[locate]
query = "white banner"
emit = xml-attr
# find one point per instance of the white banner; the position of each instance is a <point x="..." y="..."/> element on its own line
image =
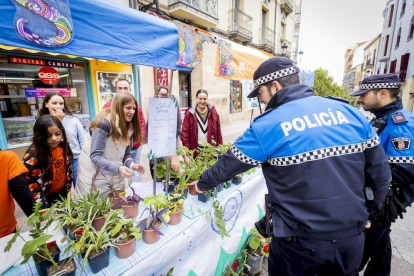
<point x="162" y="127"/>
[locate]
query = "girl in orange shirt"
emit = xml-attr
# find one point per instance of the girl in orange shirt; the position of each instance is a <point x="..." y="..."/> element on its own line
<point x="49" y="161"/>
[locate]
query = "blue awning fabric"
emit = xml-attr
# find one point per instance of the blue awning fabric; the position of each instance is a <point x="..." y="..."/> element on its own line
<point x="98" y="29"/>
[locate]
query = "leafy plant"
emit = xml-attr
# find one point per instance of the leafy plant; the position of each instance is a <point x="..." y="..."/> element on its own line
<point x="98" y="205"/>
<point x="132" y="199"/>
<point x="242" y="264"/>
<point x="123" y="229"/>
<point x="258" y="244"/>
<point x="218" y="213"/>
<point x="37" y="246"/>
<point x="162" y="170"/>
<point x="252" y="170"/>
<point x="153" y="217"/>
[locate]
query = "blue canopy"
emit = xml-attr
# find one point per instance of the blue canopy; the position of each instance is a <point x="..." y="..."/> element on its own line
<point x="99" y="29"/>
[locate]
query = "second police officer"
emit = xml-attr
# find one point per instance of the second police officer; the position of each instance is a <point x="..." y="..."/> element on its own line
<point x="395" y="127"/>
<point x="316" y="154"/>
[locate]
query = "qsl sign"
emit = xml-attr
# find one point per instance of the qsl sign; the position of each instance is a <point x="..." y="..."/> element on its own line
<point x="49" y="75"/>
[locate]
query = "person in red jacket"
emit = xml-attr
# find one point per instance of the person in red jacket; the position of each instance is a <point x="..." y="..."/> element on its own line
<point x="201" y="123"/>
<point x="123" y="85"/>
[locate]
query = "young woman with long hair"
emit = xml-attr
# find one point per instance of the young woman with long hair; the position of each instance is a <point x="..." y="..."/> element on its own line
<point x="55" y="105"/>
<point x="108" y="146"/>
<point x="201" y="123"/>
<point x="49" y="161"/>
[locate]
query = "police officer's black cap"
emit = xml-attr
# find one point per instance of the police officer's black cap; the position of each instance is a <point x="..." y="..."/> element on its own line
<point x="272" y="69"/>
<point x="380" y="81"/>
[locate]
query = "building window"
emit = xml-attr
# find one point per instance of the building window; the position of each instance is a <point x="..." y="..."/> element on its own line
<point x="403" y="8"/>
<point x="386" y="45"/>
<point x="385" y="68"/>
<point x="403" y="66"/>
<point x="391" y="14"/>
<point x="397" y="43"/>
<point x="410" y="34"/>
<point x="393" y="66"/>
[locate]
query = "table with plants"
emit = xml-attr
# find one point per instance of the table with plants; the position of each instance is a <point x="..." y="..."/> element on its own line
<point x="134" y="232"/>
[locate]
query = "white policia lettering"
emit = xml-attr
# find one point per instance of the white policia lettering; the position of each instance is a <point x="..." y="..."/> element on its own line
<point x="321" y="119"/>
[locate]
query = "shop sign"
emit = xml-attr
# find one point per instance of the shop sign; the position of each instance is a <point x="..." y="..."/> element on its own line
<point x="162" y="77"/>
<point x="42" y="62"/>
<point x="49" y="75"/>
<point x="41" y="92"/>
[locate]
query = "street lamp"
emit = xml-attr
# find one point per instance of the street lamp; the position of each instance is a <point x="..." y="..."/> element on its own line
<point x="301" y="55"/>
<point x="284" y="48"/>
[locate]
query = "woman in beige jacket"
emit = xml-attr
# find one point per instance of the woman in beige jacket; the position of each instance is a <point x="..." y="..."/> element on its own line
<point x="108" y="145"/>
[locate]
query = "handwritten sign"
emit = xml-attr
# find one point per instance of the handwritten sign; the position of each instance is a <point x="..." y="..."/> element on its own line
<point x="162" y="127"/>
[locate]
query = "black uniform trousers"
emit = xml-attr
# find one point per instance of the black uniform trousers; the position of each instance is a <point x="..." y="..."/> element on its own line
<point x="377" y="250"/>
<point x="310" y="257"/>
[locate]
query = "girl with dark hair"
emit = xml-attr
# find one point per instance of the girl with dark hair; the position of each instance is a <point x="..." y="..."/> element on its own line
<point x="201" y="123"/>
<point x="108" y="147"/>
<point x="55" y="105"/>
<point x="49" y="161"/>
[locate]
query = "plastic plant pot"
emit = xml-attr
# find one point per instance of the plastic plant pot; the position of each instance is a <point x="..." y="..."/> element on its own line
<point x="98" y="222"/>
<point x="124" y="250"/>
<point x="67" y="269"/>
<point x="42" y="264"/>
<point x="192" y="189"/>
<point x="116" y="200"/>
<point x="175" y="218"/>
<point x="255" y="263"/>
<point x="220" y="187"/>
<point x="68" y="231"/>
<point x="99" y="261"/>
<point x="227" y="185"/>
<point x="130" y="210"/>
<point x="150" y="236"/>
<point x="237" y="180"/>
<point x="204" y="197"/>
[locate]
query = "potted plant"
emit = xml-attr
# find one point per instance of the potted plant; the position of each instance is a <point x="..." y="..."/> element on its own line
<point x="67" y="266"/>
<point x="97" y="244"/>
<point x="70" y="215"/>
<point x="150" y="226"/>
<point x="258" y="247"/>
<point x="176" y="208"/>
<point x="204" y="196"/>
<point x="97" y="206"/>
<point x="125" y="236"/>
<point x="113" y="194"/>
<point x="130" y="204"/>
<point x="44" y="254"/>
<point x="237" y="180"/>
<point x="239" y="265"/>
<point x="192" y="170"/>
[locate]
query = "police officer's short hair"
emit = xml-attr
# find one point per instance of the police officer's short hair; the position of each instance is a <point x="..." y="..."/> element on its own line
<point x="394" y="92"/>
<point x="286" y="80"/>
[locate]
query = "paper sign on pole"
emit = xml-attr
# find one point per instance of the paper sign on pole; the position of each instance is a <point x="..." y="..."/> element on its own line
<point x="252" y="103"/>
<point x="162" y="127"/>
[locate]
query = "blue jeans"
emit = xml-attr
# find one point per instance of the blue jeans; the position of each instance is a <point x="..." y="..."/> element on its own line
<point x="136" y="156"/>
<point x="75" y="171"/>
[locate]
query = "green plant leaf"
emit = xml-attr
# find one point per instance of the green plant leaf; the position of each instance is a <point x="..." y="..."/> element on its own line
<point x="254" y="243"/>
<point x="208" y="218"/>
<point x="116" y="229"/>
<point x="32" y="246"/>
<point x="10" y="242"/>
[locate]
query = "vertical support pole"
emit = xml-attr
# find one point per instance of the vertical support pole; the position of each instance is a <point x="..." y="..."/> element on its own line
<point x="167" y="174"/>
<point x="155" y="178"/>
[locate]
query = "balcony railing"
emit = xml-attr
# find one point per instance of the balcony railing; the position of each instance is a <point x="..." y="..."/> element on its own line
<point x="240" y="22"/>
<point x="208" y="7"/>
<point x="283" y="42"/>
<point x="287" y="6"/>
<point x="267" y="36"/>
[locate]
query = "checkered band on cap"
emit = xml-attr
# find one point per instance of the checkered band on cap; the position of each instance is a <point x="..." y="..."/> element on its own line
<point x="401" y="159"/>
<point x="274" y="75"/>
<point x="323" y="153"/>
<point x="379" y="85"/>
<point x="242" y="157"/>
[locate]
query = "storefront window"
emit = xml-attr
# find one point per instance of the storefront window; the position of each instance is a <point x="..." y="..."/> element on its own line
<point x="23" y="84"/>
<point x="235" y="97"/>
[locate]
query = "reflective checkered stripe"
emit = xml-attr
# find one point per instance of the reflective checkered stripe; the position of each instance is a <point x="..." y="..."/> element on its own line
<point x="380" y="85"/>
<point x="274" y="75"/>
<point x="401" y="159"/>
<point x="242" y="157"/>
<point x="323" y="153"/>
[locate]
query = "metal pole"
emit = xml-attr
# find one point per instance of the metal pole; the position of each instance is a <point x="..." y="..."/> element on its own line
<point x="167" y="175"/>
<point x="155" y="178"/>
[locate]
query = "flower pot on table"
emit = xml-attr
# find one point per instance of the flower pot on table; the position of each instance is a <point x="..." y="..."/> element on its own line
<point x="65" y="268"/>
<point x="42" y="264"/>
<point x="98" y="260"/>
<point x="130" y="210"/>
<point x="124" y="250"/>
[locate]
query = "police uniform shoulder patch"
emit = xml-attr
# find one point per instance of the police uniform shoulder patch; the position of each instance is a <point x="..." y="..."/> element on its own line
<point x="261" y="115"/>
<point x="401" y="143"/>
<point x="399" y="118"/>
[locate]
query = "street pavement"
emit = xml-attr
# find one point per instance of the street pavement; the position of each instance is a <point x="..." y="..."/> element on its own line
<point x="402" y="234"/>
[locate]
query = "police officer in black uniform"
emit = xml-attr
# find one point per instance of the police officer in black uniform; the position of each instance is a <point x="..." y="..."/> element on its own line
<point x="316" y="154"/>
<point x="395" y="127"/>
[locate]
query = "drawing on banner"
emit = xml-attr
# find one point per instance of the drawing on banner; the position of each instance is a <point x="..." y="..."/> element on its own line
<point x="106" y="85"/>
<point x="226" y="59"/>
<point x="162" y="127"/>
<point x="231" y="212"/>
<point x="190" y="47"/>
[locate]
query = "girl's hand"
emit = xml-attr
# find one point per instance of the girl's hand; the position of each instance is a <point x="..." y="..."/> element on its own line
<point x="186" y="160"/>
<point x="59" y="114"/>
<point x="138" y="168"/>
<point x="175" y="164"/>
<point x="125" y="172"/>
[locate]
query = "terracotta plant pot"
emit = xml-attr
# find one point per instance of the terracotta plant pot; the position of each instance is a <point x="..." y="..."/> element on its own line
<point x="192" y="189"/>
<point x="124" y="250"/>
<point x="130" y="210"/>
<point x="98" y="222"/>
<point x="150" y="236"/>
<point x="116" y="200"/>
<point x="175" y="218"/>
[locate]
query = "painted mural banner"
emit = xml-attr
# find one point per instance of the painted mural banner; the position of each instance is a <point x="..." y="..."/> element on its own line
<point x="237" y="62"/>
<point x="162" y="127"/>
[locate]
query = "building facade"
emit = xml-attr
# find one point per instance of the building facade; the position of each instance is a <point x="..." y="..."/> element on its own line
<point x="370" y="57"/>
<point x="354" y="58"/>
<point x="396" y="45"/>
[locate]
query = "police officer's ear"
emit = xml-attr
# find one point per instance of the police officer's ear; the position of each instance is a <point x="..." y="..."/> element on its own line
<point x="277" y="85"/>
<point x="383" y="94"/>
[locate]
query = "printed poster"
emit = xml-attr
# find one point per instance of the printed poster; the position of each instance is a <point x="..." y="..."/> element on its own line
<point x="162" y="127"/>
